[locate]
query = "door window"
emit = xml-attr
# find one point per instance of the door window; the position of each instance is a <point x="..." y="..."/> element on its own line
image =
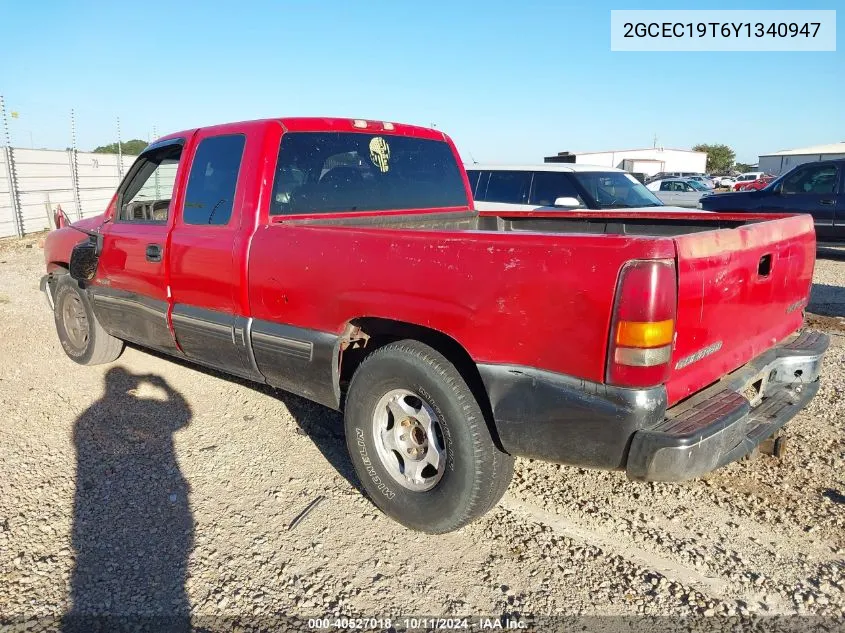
<point x="548" y="186"/>
<point x="145" y="197"/>
<point x="508" y="186"/>
<point x="210" y="194"/>
<point x="818" y="179"/>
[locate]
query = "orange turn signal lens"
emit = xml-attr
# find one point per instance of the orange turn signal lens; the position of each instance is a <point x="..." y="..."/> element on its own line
<point x="645" y="333"/>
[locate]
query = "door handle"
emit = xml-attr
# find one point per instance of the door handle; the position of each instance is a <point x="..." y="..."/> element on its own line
<point x="827" y="201"/>
<point x="153" y="252"/>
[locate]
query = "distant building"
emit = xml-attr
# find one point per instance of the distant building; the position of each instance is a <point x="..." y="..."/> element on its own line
<point x="647" y="161"/>
<point x="783" y="161"/>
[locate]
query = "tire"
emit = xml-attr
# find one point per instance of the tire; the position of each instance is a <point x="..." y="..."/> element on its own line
<point x="81" y="335"/>
<point x="445" y="425"/>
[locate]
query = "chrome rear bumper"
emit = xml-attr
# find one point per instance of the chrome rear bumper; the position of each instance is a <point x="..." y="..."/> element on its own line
<point x="729" y="419"/>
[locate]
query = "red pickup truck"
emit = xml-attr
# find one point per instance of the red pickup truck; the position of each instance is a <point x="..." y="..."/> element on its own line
<point x="342" y="260"/>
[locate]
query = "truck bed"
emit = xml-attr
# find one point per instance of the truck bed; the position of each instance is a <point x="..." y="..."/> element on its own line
<point x="742" y="281"/>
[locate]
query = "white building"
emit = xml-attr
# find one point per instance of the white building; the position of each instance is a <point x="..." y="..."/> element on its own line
<point x="647" y="161"/>
<point x="783" y="161"/>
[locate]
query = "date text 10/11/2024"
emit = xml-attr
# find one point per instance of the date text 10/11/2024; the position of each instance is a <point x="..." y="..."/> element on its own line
<point x="417" y="623"/>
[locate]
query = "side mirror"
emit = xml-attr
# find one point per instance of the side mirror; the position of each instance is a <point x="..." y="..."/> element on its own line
<point x="567" y="201"/>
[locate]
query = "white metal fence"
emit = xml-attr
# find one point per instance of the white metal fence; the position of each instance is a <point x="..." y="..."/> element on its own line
<point x="33" y="182"/>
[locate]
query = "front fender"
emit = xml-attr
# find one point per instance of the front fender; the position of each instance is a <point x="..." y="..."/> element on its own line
<point x="60" y="242"/>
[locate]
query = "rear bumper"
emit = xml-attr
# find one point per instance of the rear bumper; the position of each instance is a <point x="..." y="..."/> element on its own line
<point x="720" y="424"/>
<point x="557" y="418"/>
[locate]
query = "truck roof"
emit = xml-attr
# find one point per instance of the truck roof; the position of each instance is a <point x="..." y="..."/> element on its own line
<point x="324" y="124"/>
<point x="568" y="167"/>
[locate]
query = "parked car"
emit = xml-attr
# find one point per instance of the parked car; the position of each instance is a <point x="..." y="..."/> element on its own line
<point x="723" y="182"/>
<point x="761" y="182"/>
<point x="681" y="192"/>
<point x="343" y="260"/>
<point x="746" y="178"/>
<point x="815" y="188"/>
<point x="565" y="186"/>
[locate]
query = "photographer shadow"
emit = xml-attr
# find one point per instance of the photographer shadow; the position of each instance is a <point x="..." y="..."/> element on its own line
<point x="133" y="529"/>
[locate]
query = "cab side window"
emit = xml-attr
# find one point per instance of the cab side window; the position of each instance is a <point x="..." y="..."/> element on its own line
<point x="508" y="186"/>
<point x="548" y="186"/>
<point x="145" y="195"/>
<point x="210" y="194"/>
<point x="818" y="179"/>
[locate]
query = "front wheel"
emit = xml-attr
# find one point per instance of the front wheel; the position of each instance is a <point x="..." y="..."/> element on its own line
<point x="81" y="335"/>
<point x="419" y="441"/>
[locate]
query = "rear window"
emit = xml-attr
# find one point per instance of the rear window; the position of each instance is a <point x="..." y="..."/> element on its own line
<point x="324" y="172"/>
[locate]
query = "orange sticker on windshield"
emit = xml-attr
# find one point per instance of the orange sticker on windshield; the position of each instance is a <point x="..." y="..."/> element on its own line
<point x="380" y="153"/>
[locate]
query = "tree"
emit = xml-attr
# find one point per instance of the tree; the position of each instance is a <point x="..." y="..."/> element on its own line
<point x="134" y="147"/>
<point x="742" y="167"/>
<point x="720" y="158"/>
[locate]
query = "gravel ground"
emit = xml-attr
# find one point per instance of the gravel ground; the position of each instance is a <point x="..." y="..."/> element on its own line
<point x="152" y="487"/>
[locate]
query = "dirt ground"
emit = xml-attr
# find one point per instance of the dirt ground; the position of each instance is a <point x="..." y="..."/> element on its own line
<point x="152" y="487"/>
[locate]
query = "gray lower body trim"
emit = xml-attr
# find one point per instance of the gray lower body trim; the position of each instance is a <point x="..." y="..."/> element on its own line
<point x="214" y="338"/>
<point x="132" y="317"/>
<point x="298" y="360"/>
<point x="553" y="417"/>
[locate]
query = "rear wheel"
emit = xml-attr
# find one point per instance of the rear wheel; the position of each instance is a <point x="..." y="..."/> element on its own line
<point x="81" y="335"/>
<point x="419" y="441"/>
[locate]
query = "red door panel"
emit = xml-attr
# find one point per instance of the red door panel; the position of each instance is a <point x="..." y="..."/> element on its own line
<point x="130" y="291"/>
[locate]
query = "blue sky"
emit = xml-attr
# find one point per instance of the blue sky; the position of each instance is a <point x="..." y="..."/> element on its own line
<point x="509" y="81"/>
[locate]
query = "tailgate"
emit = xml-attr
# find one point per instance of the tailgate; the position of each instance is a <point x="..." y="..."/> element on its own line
<point x="740" y="291"/>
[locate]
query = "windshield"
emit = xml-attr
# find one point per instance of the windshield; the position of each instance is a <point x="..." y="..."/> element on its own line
<point x="615" y="190"/>
<point x="697" y="185"/>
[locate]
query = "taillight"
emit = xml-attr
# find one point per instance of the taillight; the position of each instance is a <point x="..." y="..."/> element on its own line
<point x="643" y="327"/>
